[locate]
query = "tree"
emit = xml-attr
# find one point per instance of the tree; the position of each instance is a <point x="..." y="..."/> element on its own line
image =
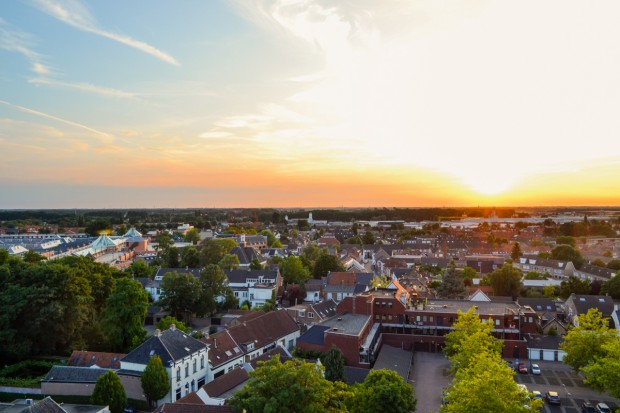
<point x="369" y="238"/>
<point x="294" y="386"/>
<point x="98" y="227"/>
<point x="566" y="240"/>
<point x="567" y="253"/>
<point x="574" y="285"/>
<point x="229" y="262"/>
<point x="109" y="391"/>
<point x="382" y="391"/>
<point x="599" y="263"/>
<point x="604" y="373"/>
<point x="466" y="324"/>
<point x="140" y="269"/>
<point x="255" y="264"/>
<point x="32" y="257"/>
<point x="487" y="385"/>
<point x="190" y="257"/>
<point x="452" y="284"/>
<point x="333" y="361"/>
<point x="481" y="341"/>
<point x="468" y="275"/>
<point x="167" y="321"/>
<point x="171" y="257"/>
<point x="612" y="287"/>
<point x="180" y="293"/>
<point x="155" y="381"/>
<point x="516" y="251"/>
<point x="325" y="263"/>
<point x="533" y="275"/>
<point x="213" y="250"/>
<point x="614" y="265"/>
<point x="549" y="291"/>
<point x="584" y="343"/>
<point x="506" y="281"/>
<point x="214" y="284"/>
<point x="192" y="236"/>
<point x="270" y="237"/>
<point x="124" y="314"/>
<point x="293" y="271"/>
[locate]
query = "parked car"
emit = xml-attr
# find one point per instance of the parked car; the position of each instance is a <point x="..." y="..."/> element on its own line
<point x="553" y="397"/>
<point x="522" y="368"/>
<point x="128" y="409"/>
<point x="535" y="369"/>
<point x="536" y="395"/>
<point x="602" y="408"/>
<point x="587" y="407"/>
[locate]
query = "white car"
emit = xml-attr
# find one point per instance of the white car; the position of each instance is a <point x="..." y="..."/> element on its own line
<point x="535" y="369"/>
<point x="603" y="408"/>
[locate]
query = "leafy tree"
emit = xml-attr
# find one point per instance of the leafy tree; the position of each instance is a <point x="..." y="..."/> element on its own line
<point x="171" y="258"/>
<point x="155" y="381"/>
<point x="166" y="322"/>
<point x="164" y="242"/>
<point x="506" y="281"/>
<point x="124" y="314"/>
<point x="229" y="262"/>
<point x="533" y="275"/>
<point x="567" y="253"/>
<point x="140" y="269"/>
<point x="293" y="271"/>
<point x="487" y="385"/>
<point x="256" y="265"/>
<point x="382" y="391"/>
<point x="584" y="343"/>
<point x="381" y="281"/>
<point x="604" y="373"/>
<point x="467" y="324"/>
<point x="574" y="285"/>
<point x="33" y="257"/>
<point x="180" y="293"/>
<point x="369" y="238"/>
<point x="452" y="284"/>
<point x="213" y="250"/>
<point x="566" y="240"/>
<point x="481" y="341"/>
<point x="325" y="263"/>
<point x="230" y="301"/>
<point x="468" y="275"/>
<point x="295" y="386"/>
<point x="549" y="291"/>
<point x="295" y="294"/>
<point x="214" y="284"/>
<point x="192" y="236"/>
<point x="276" y="244"/>
<point x="333" y="361"/>
<point x="599" y="263"/>
<point x="612" y="287"/>
<point x="270" y="237"/>
<point x="614" y="265"/>
<point x="98" y="227"/>
<point x="109" y="391"/>
<point x="516" y="251"/>
<point x="190" y="257"/>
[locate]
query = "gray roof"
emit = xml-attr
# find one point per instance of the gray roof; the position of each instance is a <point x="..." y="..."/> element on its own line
<point x="347" y="323"/>
<point x="171" y="345"/>
<point x="240" y="276"/>
<point x="46" y="405"/>
<point x="395" y="359"/>
<point x="325" y="309"/>
<point x="594" y="270"/>
<point x="69" y="374"/>
<point x="353" y="375"/>
<point x="583" y="303"/>
<point x="544" y="342"/>
<point x="538" y="304"/>
<point x="314" y="335"/>
<point x="163" y="271"/>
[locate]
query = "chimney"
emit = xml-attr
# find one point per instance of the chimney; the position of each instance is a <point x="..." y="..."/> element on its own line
<point x="173" y="327"/>
<point x="157" y="332"/>
<point x="215" y="342"/>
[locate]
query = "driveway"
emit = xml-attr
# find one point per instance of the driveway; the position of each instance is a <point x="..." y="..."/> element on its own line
<point x="430" y="376"/>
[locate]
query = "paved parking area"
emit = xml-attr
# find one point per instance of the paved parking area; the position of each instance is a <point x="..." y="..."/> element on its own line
<point x="556" y="376"/>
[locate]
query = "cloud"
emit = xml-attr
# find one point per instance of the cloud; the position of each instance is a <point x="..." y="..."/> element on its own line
<point x="17" y="41"/>
<point x="84" y="87"/>
<point x="76" y="15"/>
<point x="108" y="137"/>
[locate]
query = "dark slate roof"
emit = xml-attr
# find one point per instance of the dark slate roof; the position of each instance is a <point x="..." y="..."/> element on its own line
<point x="314" y="335"/>
<point x="538" y="304"/>
<point x="170" y="345"/>
<point x="240" y="276"/>
<point x="245" y="254"/>
<point x="544" y="342"/>
<point x="364" y="278"/>
<point x="353" y="375"/>
<point x="284" y="356"/>
<point x="69" y="374"/>
<point x="325" y="309"/>
<point x="46" y="405"/>
<point x="583" y="303"/>
<point x="543" y="262"/>
<point x="594" y="270"/>
<point x="226" y="382"/>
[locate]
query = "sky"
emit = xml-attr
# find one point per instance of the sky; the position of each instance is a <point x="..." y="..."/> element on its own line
<point x="309" y="103"/>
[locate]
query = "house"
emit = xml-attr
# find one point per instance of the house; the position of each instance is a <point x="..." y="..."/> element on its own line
<point x="250" y="339"/>
<point x="545" y="348"/>
<point x="48" y="405"/>
<point x="219" y="390"/>
<point x="153" y="287"/>
<point x="254" y="286"/>
<point x="80" y="358"/>
<point x="555" y="268"/>
<point x="484" y="264"/>
<point x="577" y="305"/>
<point x="593" y="272"/>
<point x="339" y="285"/>
<point x="310" y="314"/>
<point x="246" y="255"/>
<point x="184" y="358"/>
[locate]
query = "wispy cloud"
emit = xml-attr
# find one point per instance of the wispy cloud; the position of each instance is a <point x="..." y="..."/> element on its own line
<point x="77" y="15"/>
<point x="108" y="137"/>
<point x="14" y="40"/>
<point x="84" y="87"/>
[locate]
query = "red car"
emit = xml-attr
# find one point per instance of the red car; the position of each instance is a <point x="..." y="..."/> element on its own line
<point x="522" y="368"/>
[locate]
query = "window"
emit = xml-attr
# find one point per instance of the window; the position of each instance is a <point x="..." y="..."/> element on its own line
<point x="195" y="365"/>
<point x="178" y="393"/>
<point x="178" y="373"/>
<point x="310" y="315"/>
<point x="186" y="369"/>
<point x="497" y="321"/>
<point x="202" y="362"/>
<point x="301" y="313"/>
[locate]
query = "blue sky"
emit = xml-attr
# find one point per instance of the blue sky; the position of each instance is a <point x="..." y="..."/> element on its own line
<point x="311" y="103"/>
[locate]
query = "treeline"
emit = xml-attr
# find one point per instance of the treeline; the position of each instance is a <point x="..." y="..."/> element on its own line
<point x="55" y="307"/>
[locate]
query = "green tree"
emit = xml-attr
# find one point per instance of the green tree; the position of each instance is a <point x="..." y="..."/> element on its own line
<point x="604" y="373"/>
<point x="533" y="275"/>
<point x="294" y="386"/>
<point x="270" y="237"/>
<point x="566" y="240"/>
<point x="584" y="343"/>
<point x="369" y="238"/>
<point x="109" y="391"/>
<point x="612" y="287"/>
<point x="171" y="258"/>
<point x="213" y="250"/>
<point x="549" y="291"/>
<point x="180" y="294"/>
<point x="333" y="361"/>
<point x="165" y="323"/>
<point x="33" y="257"/>
<point x="124" y="314"/>
<point x="155" y="381"/>
<point x="325" y="263"/>
<point x="140" y="269"/>
<point x="487" y="385"/>
<point x="567" y="253"/>
<point x="190" y="257"/>
<point x="574" y="285"/>
<point x="452" y="283"/>
<point x="516" y="251"/>
<point x="599" y="263"/>
<point x="614" y="265"/>
<point x="192" y="236"/>
<point x="256" y="265"/>
<point x="466" y="324"/>
<point x="214" y="284"/>
<point x="481" y="341"/>
<point x="382" y="391"/>
<point x="468" y="275"/>
<point x="229" y="262"/>
<point x="506" y="281"/>
<point x="293" y="271"/>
